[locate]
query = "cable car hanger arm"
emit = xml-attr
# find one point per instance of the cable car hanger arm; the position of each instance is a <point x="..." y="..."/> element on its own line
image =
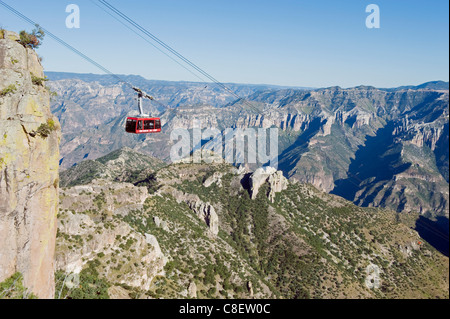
<point x="143" y="94"/>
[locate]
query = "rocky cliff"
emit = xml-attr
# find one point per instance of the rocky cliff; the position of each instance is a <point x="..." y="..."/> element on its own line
<point x="29" y="178"/>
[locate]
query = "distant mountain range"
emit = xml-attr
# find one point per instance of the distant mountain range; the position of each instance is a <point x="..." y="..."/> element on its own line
<point x="375" y="147"/>
<point x="433" y="85"/>
<point x="176" y="93"/>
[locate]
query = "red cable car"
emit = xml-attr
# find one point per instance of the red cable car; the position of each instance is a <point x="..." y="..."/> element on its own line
<point x="142" y="124"/>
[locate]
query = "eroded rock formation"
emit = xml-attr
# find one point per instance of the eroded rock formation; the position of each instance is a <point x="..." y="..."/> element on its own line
<point x="277" y="182"/>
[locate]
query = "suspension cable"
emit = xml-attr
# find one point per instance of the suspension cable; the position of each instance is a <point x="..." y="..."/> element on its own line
<point x="147" y="40"/>
<point x="173" y="51"/>
<point x="71" y="48"/>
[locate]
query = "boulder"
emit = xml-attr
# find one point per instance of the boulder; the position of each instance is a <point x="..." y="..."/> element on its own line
<point x="192" y="290"/>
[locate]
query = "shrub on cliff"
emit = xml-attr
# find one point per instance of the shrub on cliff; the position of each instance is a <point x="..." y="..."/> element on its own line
<point x="10" y="89"/>
<point x="32" y="40"/>
<point x="37" y="80"/>
<point x="13" y="288"/>
<point x="46" y="129"/>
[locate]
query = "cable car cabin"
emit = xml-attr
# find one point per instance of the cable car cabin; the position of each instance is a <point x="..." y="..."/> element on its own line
<point x="138" y="125"/>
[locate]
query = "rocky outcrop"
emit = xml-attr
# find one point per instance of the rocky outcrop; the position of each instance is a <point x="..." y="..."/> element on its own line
<point x="428" y="136"/>
<point x="206" y="212"/>
<point x="192" y="290"/>
<point x="112" y="198"/>
<point x="29" y="178"/>
<point x="216" y="178"/>
<point x="115" y="242"/>
<point x="250" y="289"/>
<point x="277" y="182"/>
<point x="160" y="223"/>
<point x="419" y="133"/>
<point x="90" y="228"/>
<point x="118" y="166"/>
<point x="408" y="248"/>
<point x="258" y="178"/>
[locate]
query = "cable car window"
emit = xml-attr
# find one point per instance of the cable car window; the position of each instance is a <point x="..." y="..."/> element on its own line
<point x="149" y="125"/>
<point x="139" y="126"/>
<point x="158" y="124"/>
<point x="131" y="125"/>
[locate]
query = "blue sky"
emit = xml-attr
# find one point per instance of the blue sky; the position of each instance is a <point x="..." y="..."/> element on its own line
<point x="316" y="43"/>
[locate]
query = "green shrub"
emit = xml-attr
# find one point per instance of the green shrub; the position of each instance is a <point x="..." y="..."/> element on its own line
<point x="12" y="288"/>
<point x="10" y="89"/>
<point x="45" y="129"/>
<point x="91" y="286"/>
<point x="32" y="40"/>
<point x="37" y="80"/>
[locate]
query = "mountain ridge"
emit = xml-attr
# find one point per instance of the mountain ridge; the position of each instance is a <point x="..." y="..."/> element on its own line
<point x="119" y="166"/>
<point x="91" y="77"/>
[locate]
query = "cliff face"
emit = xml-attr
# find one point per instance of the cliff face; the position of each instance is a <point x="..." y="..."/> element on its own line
<point x="29" y="178"/>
